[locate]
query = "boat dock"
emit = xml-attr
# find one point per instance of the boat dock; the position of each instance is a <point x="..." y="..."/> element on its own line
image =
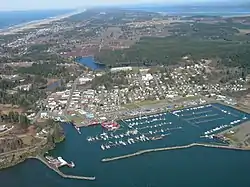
<point x="77" y="128"/>
<point x="210" y="120"/>
<point x="197" y="113"/>
<point x="59" y="172"/>
<point x="200" y="117"/>
<point x="218" y="108"/>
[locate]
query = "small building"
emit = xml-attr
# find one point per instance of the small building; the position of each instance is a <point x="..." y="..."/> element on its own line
<point x="121" y="69"/>
<point x="3" y="128"/>
<point x="44" y="115"/>
<point x="248" y="78"/>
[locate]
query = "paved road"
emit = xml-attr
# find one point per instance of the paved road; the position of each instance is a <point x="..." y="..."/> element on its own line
<point x="44" y="102"/>
<point x="158" y="85"/>
<point x="5" y="132"/>
<point x="71" y="93"/>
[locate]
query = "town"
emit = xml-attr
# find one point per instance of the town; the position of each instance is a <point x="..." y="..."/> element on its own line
<point x="134" y="90"/>
<point x="98" y="67"/>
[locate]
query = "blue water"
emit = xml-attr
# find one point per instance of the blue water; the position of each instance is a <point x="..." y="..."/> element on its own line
<point x="194" y="167"/>
<point x="90" y="62"/>
<point x="196" y="10"/>
<point x="12" y="18"/>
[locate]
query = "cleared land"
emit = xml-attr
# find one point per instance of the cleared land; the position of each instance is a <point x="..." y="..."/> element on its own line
<point x="239" y="135"/>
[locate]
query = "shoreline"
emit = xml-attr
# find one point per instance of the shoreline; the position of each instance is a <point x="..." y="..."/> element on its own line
<point x="161" y="110"/>
<point x="35" y="23"/>
<point x="141" y="152"/>
<point x="61" y="173"/>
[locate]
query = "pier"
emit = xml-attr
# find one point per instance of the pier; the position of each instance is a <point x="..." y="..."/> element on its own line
<point x="205" y="121"/>
<point x="200" y="117"/>
<point x="197" y="113"/>
<point x="173" y="148"/>
<point x="61" y="173"/>
<point x="218" y="108"/>
<point x="197" y="126"/>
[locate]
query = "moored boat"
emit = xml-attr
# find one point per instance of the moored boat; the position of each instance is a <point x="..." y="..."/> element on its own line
<point x="110" y="125"/>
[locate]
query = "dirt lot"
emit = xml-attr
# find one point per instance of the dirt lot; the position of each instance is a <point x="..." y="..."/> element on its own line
<point x="5" y="109"/>
<point x="244" y="31"/>
<point x="239" y="135"/>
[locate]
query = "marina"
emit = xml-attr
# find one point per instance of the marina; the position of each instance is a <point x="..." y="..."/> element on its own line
<point x="101" y="153"/>
<point x="147" y="140"/>
<point x="127" y="94"/>
<point x="203" y="121"/>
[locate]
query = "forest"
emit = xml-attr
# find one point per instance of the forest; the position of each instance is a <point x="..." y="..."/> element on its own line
<point x="197" y="40"/>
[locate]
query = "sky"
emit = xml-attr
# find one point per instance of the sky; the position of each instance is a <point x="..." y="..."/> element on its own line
<point x="9" y="5"/>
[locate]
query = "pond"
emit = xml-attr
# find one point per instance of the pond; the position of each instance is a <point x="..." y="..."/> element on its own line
<point x="90" y="62"/>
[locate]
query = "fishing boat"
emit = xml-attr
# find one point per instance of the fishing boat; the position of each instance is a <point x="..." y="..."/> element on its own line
<point x="157" y="138"/>
<point x="110" y="125"/>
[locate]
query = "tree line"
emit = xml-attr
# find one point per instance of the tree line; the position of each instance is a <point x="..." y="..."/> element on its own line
<point x="15" y="118"/>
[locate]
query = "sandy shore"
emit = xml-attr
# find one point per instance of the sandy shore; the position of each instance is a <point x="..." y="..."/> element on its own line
<point x="36" y="23"/>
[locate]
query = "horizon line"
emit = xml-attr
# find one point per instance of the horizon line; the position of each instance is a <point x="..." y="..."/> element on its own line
<point x="142" y="5"/>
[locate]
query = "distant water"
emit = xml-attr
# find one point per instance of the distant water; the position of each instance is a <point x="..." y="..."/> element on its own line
<point x="194" y="11"/>
<point x="11" y="18"/>
<point x="194" y="167"/>
<point x="90" y="62"/>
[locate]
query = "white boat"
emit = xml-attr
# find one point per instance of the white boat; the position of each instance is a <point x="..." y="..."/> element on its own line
<point x="102" y="146"/>
<point x="129" y="141"/>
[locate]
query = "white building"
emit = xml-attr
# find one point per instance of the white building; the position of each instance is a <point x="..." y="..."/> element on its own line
<point x="121" y="69"/>
<point x="147" y="77"/>
<point x="44" y="115"/>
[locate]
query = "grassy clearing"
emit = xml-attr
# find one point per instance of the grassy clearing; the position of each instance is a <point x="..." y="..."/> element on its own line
<point x="130" y="106"/>
<point x="137" y="105"/>
<point x="149" y="102"/>
<point x="191" y="98"/>
<point x="77" y="119"/>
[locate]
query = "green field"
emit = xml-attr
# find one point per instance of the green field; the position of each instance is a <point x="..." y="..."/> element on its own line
<point x="77" y="118"/>
<point x="137" y="105"/>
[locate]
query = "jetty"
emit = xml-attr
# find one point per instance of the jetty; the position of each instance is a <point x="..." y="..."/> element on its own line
<point x="173" y="148"/>
<point x="61" y="173"/>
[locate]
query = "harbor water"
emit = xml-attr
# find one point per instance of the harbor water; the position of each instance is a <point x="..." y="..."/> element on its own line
<point x="196" y="166"/>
